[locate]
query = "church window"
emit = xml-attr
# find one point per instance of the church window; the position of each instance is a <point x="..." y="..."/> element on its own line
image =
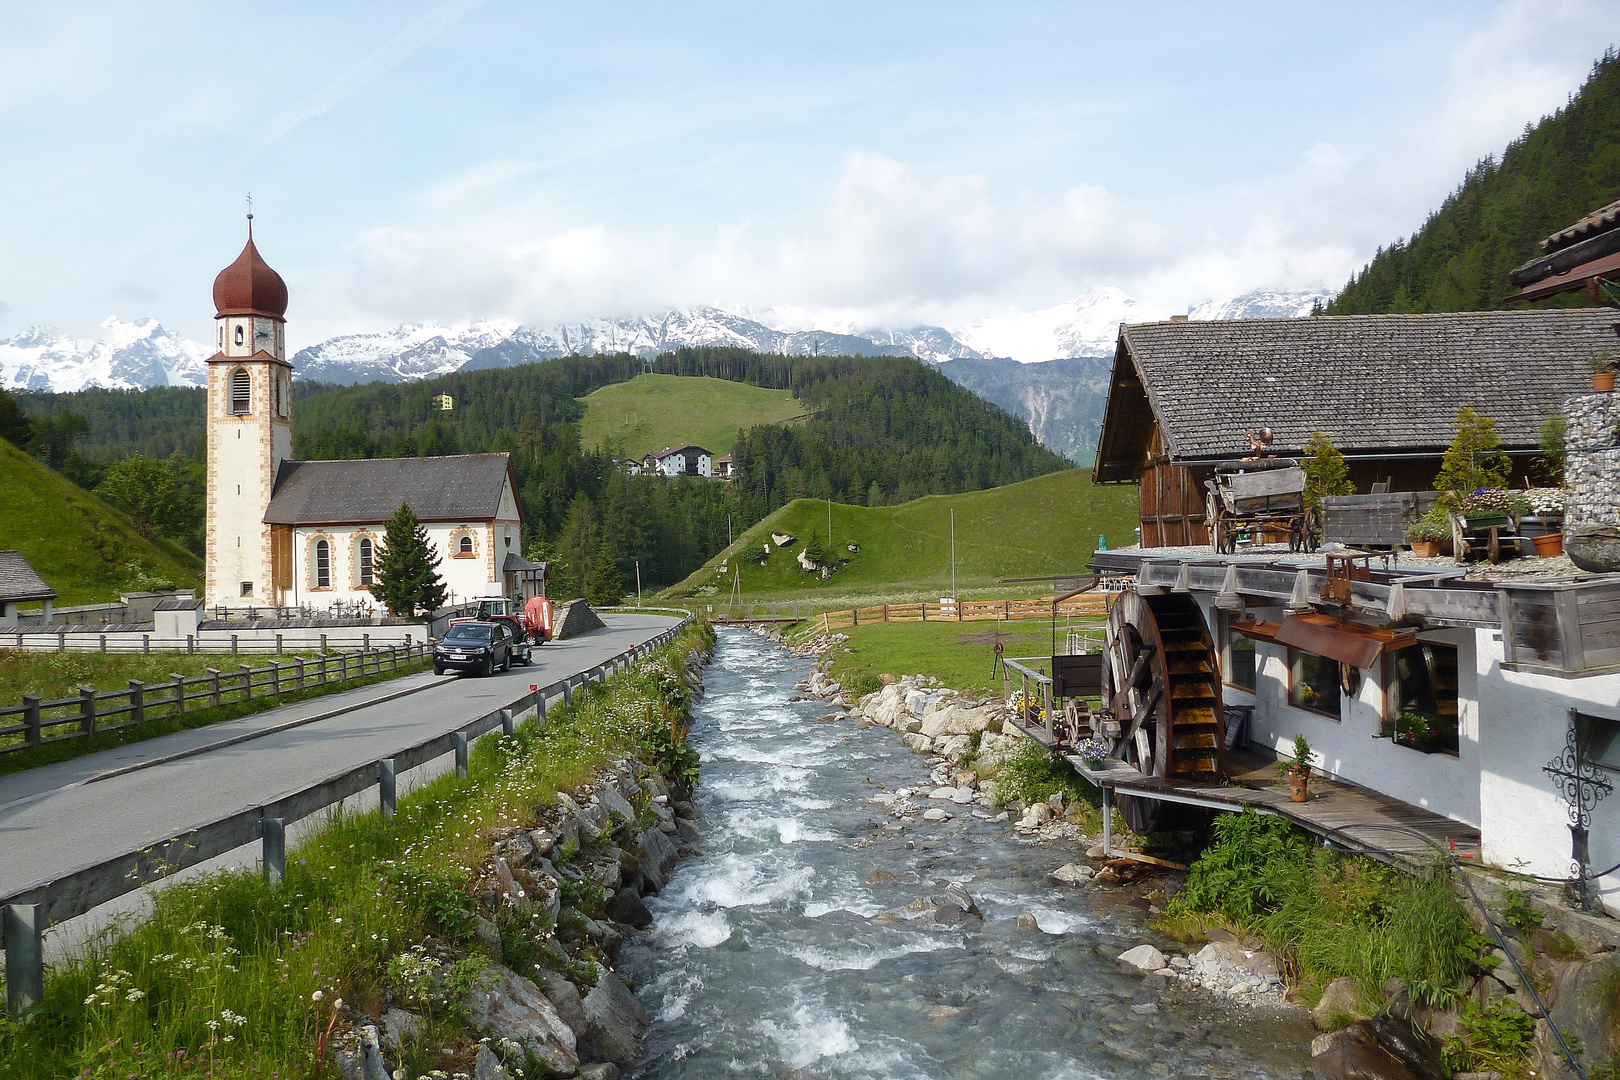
<point x="239" y="333"/>
<point x="241" y="392"/>
<point x="247" y="588"/>
<point x="366" y="572"/>
<point x="466" y="545"/>
<point x="323" y="565"/>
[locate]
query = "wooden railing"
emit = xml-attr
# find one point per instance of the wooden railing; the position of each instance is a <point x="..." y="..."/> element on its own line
<point x="27" y="913"/>
<point x="1089" y="606"/>
<point x="95" y="710"/>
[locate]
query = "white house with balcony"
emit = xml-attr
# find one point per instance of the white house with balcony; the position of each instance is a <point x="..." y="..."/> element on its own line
<point x="686" y="460"/>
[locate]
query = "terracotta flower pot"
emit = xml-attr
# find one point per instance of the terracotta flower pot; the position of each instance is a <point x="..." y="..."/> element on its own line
<point x="1425" y="549"/>
<point x="1548" y="546"/>
<point x="1603" y="380"/>
<point x="1298" y="785"/>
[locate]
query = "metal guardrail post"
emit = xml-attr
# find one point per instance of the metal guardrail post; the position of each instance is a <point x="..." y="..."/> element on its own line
<point x="25" y="957"/>
<point x="385" y="787"/>
<point x="31" y="733"/>
<point x="103" y="638"/>
<point x="508" y="726"/>
<point x="87" y="710"/>
<point x="458" y="739"/>
<point x="273" y="831"/>
<point x="137" y="701"/>
<point x="568" y="694"/>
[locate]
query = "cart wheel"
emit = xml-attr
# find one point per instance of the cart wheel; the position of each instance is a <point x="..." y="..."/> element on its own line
<point x="1313" y="529"/>
<point x="1494" y="545"/>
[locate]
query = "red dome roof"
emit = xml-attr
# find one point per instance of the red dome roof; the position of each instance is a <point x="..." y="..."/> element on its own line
<point x="249" y="287"/>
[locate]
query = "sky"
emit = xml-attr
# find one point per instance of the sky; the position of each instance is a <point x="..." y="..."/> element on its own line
<point x="837" y="165"/>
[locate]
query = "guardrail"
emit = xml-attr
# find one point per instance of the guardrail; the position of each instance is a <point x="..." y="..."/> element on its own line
<point x="26" y="913"/>
<point x="1086" y="606"/>
<point x="87" y="712"/>
<point x="262" y="641"/>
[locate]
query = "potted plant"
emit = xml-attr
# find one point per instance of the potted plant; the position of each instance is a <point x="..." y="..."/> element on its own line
<point x="1486" y="507"/>
<point x="1094" y="752"/>
<point x="1602" y="371"/>
<point x="1297" y="770"/>
<point x="1416" y="730"/>
<point x="1428" y="532"/>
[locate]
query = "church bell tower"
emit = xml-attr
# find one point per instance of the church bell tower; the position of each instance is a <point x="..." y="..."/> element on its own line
<point x="249" y="434"/>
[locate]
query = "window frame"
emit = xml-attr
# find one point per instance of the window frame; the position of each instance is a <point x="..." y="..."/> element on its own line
<point x="365" y="555"/>
<point x="1227" y="634"/>
<point x="1391" y="697"/>
<point x="1296" y="699"/>
<point x="239" y="377"/>
<point x="321" y="562"/>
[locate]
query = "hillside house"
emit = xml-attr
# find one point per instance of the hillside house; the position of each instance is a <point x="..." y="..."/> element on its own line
<point x="1385" y="389"/>
<point x="1513" y="673"/>
<point x="685" y="460"/>
<point x="21" y="584"/>
<point x="722" y="466"/>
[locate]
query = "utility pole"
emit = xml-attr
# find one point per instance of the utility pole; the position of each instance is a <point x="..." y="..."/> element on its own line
<point x="829" y="527"/>
<point x="729" y="540"/>
<point x="953" y="555"/>
<point x="638" y="583"/>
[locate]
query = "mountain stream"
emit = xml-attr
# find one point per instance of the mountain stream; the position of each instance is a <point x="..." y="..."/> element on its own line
<point x="773" y="956"/>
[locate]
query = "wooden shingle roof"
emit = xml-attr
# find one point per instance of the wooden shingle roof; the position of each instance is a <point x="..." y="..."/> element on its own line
<point x="1375" y="384"/>
<point x="19" y="582"/>
<point x="464" y="487"/>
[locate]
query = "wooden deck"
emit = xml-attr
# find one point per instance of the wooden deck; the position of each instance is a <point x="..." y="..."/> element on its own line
<point x="1350" y="816"/>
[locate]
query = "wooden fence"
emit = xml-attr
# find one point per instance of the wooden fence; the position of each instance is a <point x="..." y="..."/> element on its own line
<point x="91" y="710"/>
<point x="25" y="915"/>
<point x="1085" y="606"/>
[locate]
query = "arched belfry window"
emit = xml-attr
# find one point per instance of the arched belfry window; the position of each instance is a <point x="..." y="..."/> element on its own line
<point x="323" y="565"/>
<point x="241" y="392"/>
<point x="239" y="333"/>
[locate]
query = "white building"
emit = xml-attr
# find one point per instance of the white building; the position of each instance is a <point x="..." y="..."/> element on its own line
<point x="286" y="533"/>
<point x="686" y="460"/>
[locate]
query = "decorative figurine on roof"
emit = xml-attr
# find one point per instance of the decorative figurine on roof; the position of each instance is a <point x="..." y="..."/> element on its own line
<point x="1259" y="443"/>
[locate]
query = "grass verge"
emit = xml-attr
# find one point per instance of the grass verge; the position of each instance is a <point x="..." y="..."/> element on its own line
<point x="64" y="749"/>
<point x="652" y="411"/>
<point x="234" y="978"/>
<point x="958" y="655"/>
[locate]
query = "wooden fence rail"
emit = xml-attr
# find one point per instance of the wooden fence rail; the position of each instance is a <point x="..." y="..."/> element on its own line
<point x="1080" y="607"/>
<point x="26" y="913"/>
<point x="91" y="710"/>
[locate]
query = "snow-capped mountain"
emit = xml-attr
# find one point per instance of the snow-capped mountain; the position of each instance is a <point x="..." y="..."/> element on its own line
<point x="126" y="355"/>
<point x="405" y="353"/>
<point x="1088" y="325"/>
<point x="1260" y="304"/>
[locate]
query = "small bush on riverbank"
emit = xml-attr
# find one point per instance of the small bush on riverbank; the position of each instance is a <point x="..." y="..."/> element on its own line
<point x="233" y="978"/>
<point x="1330" y="915"/>
<point x="1031" y="774"/>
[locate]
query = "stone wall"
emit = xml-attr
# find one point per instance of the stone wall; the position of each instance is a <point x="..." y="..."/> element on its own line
<point x="1592" y="460"/>
<point x="575" y="618"/>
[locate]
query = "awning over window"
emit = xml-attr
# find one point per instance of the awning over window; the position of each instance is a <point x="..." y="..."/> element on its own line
<point x="1336" y="639"/>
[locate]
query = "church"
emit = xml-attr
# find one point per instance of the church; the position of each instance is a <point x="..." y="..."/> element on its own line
<point x="288" y="533"/>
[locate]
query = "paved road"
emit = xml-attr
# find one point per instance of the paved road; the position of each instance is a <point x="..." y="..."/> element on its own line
<point x="53" y="819"/>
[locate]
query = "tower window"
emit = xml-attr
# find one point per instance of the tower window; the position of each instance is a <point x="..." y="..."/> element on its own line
<point x="275" y="384"/>
<point x="241" y="392"/>
<point x="247" y="588"/>
<point x="239" y="333"/>
<point x="365" y="561"/>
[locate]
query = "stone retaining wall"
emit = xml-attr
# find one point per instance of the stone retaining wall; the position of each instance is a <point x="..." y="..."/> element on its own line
<point x="575" y="618"/>
<point x="1592" y="460"/>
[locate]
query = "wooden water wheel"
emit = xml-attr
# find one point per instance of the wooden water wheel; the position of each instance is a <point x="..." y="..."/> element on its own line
<point x="1163" y="683"/>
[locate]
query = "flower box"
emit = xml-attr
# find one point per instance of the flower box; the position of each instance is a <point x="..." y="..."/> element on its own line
<point x="1484" y="521"/>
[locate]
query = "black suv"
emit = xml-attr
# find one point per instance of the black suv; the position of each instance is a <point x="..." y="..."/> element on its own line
<point x="482" y="647"/>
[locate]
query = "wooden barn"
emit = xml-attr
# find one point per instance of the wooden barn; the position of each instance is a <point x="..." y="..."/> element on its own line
<point x="1385" y="389"/>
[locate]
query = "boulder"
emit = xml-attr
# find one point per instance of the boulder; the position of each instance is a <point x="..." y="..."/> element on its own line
<point x="614" y="1022"/>
<point x="543" y="841"/>
<point x="625" y="906"/>
<point x="687" y="831"/>
<point x="564" y="997"/>
<point x="1338" y="1000"/>
<point x="1353" y="1053"/>
<point x="603" y="1070"/>
<point x="488" y="933"/>
<point x="616" y="804"/>
<point x="1072" y="874"/>
<point x="917" y="743"/>
<point x="956" y="894"/>
<point x="963" y="796"/>
<point x="507" y="887"/>
<point x="506" y="1005"/>
<point x="1409" y="1044"/>
<point x="486" y="1066"/>
<point x="1143" y="958"/>
<point x="942" y="793"/>
<point x="936" y="814"/>
<point x="1586" y="1001"/>
<point x="400" y="1028"/>
<point x="955" y="748"/>
<point x="917" y="702"/>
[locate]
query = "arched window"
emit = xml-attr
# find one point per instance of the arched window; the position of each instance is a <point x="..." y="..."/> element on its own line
<point x="323" y="565"/>
<point x="465" y="547"/>
<point x="241" y="392"/>
<point x="239" y="333"/>
<point x="364" y="550"/>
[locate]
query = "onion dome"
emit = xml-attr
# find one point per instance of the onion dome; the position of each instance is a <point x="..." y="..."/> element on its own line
<point x="248" y="286"/>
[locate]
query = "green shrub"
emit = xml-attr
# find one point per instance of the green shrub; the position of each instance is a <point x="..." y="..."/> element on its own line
<point x="1496" y="1039"/>
<point x="1031" y="774"/>
<point x="1247" y="867"/>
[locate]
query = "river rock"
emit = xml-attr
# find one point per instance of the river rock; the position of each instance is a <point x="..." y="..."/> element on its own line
<point x="1027" y="921"/>
<point x="616" y="804"/>
<point x="917" y="743"/>
<point x="543" y="840"/>
<point x="604" y="1070"/>
<point x="958" y="895"/>
<point x="1072" y="874"/>
<point x="942" y="793"/>
<point x="1354" y="1053"/>
<point x="963" y="796"/>
<point x="505" y="1004"/>
<point x="955" y="748"/>
<point x="625" y="906"/>
<point x="1409" y="1044"/>
<point x="1144" y="958"/>
<point x="400" y="1028"/>
<point x="1338" y="1000"/>
<point x="936" y="814"/>
<point x="1585" y="1000"/>
<point x="687" y="831"/>
<point x="564" y="997"/>
<point x="917" y="702"/>
<point x="614" y="1022"/>
<point x="486" y="1066"/>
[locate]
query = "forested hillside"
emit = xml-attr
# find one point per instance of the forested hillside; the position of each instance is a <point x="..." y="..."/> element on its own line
<point x="1559" y="170"/>
<point x="881" y="430"/>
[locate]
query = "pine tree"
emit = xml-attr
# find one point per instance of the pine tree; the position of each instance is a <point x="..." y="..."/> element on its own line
<point x="407" y="567"/>
<point x="874" y="497"/>
<point x="1326" y="472"/>
<point x="15" y="427"/>
<point x="815" y="550"/>
<point x="1474" y="460"/>
<point x="605" y="585"/>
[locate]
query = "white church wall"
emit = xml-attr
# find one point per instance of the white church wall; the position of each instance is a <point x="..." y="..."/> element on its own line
<point x="465" y="577"/>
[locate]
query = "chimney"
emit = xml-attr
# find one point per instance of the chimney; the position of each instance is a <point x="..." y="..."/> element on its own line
<point x="1178" y="318"/>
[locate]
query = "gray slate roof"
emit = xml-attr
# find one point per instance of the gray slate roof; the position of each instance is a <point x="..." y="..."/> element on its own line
<point x="18" y="581"/>
<point x="517" y="564"/>
<point x="1372" y="383"/>
<point x="466" y="487"/>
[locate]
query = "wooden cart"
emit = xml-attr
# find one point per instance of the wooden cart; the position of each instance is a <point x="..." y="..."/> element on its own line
<point x="1486" y="534"/>
<point x="1260" y="496"/>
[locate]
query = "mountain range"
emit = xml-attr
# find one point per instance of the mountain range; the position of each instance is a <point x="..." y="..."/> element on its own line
<point x="1048" y="366"/>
